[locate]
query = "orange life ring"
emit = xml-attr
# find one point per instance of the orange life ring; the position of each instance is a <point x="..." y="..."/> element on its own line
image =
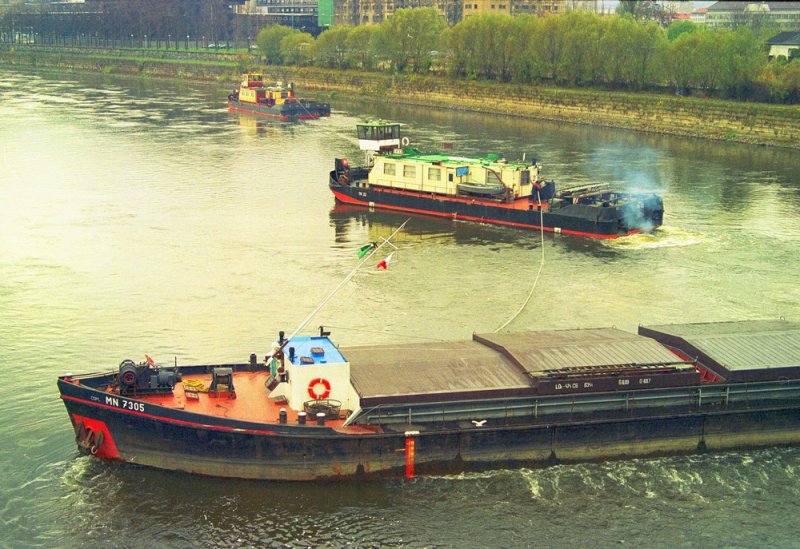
<point x="312" y="388"/>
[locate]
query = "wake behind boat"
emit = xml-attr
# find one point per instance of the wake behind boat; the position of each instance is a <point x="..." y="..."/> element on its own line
<point x="487" y="190"/>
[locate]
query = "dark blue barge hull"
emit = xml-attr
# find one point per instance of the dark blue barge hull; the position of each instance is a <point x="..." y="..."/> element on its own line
<point x="697" y="419"/>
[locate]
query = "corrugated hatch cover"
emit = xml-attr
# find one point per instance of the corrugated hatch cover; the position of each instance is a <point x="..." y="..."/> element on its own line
<point x="536" y="352"/>
<point x="750" y="350"/>
<point x="491" y="365"/>
<point x="431" y="372"/>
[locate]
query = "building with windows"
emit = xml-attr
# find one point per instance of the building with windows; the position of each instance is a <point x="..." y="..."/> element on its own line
<point x="365" y="12"/>
<point x="354" y="12"/>
<point x="781" y="15"/>
<point x="362" y="12"/>
<point x="479" y="7"/>
<point x="699" y="16"/>
<point x="532" y="7"/>
<point x="785" y="44"/>
<point x="298" y="14"/>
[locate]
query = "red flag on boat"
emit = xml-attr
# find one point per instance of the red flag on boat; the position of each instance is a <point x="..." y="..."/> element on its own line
<point x="150" y="361"/>
<point x="385" y="263"/>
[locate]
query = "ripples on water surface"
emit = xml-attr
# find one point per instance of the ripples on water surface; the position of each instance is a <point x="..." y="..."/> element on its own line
<point x="138" y="216"/>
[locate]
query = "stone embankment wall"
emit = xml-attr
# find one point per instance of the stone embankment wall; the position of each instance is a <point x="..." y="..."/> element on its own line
<point x="161" y="63"/>
<point x="756" y="123"/>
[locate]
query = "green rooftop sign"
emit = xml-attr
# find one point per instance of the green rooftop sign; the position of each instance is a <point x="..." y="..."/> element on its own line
<point x="325" y="13"/>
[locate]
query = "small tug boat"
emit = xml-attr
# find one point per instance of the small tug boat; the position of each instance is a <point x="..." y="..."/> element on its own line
<point x="487" y="190"/>
<point x="312" y="410"/>
<point x="276" y="101"/>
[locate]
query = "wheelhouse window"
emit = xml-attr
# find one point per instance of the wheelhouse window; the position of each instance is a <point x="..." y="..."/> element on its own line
<point x="492" y="179"/>
<point x="389" y="132"/>
<point x="409" y="171"/>
<point x="524" y="177"/>
<point x="388" y="169"/>
<point x="374" y="133"/>
<point x="434" y="174"/>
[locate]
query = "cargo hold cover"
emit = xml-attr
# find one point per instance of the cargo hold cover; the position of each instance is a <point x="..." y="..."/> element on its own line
<point x="547" y="351"/>
<point x="592" y="360"/>
<point x="432" y="372"/>
<point x="750" y="350"/>
<point x="507" y="365"/>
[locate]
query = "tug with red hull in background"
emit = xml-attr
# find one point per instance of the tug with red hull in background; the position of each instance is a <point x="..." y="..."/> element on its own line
<point x="485" y="190"/>
<point x="277" y="101"/>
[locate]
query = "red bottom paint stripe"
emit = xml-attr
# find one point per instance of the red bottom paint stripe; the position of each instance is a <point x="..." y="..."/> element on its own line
<point x="108" y="449"/>
<point x="350" y="200"/>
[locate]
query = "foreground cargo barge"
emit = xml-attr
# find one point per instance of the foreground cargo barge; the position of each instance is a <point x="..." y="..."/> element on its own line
<point x="316" y="411"/>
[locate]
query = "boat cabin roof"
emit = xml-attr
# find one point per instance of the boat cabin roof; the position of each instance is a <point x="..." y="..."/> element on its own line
<point x="378" y="124"/>
<point x="313" y="350"/>
<point x="413" y="155"/>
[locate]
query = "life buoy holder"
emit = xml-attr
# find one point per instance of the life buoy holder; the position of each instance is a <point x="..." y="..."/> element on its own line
<point x="404" y="142"/>
<point x="314" y="385"/>
<point x="344" y="179"/>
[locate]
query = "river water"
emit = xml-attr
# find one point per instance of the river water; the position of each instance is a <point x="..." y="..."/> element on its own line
<point x="139" y="216"/>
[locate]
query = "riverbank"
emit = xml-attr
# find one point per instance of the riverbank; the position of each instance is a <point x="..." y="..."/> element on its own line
<point x="754" y="123"/>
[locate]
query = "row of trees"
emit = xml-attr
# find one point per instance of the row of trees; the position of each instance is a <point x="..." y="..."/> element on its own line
<point x="575" y="49"/>
<point x="407" y="41"/>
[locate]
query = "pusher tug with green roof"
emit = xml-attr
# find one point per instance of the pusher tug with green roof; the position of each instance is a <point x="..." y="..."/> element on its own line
<point x="486" y="190"/>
